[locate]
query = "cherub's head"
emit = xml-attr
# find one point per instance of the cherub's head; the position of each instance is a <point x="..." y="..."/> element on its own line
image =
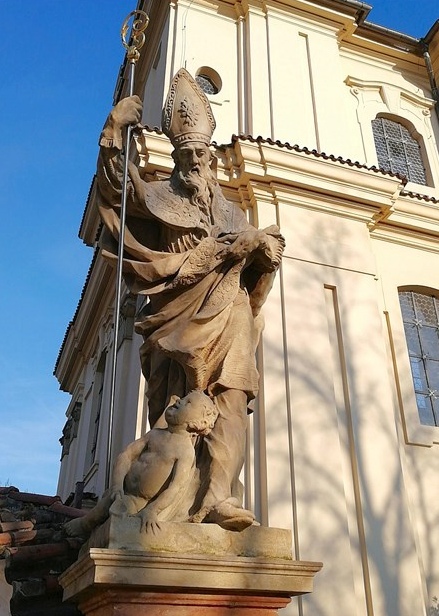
<point x="196" y="412"/>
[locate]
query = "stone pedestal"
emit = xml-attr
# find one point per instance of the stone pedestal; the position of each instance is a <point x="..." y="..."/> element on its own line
<point x="180" y="604"/>
<point x="219" y="573"/>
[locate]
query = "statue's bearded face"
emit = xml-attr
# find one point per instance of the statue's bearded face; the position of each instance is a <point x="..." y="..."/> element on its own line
<point x="193" y="158"/>
<point x="192" y="166"/>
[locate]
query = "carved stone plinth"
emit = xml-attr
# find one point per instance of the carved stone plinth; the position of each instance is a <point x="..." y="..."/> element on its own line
<point x="157" y="579"/>
<point x="185" y="538"/>
<point x="106" y="581"/>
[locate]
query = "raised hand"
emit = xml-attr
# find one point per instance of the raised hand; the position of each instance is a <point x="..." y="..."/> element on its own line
<point x="127" y="111"/>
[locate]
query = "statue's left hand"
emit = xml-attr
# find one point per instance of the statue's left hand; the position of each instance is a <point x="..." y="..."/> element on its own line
<point x="149" y="522"/>
<point x="117" y="493"/>
<point x="242" y="244"/>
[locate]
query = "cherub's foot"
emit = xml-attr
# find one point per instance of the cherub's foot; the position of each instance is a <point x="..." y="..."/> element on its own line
<point x="198" y="517"/>
<point x="76" y="528"/>
<point x="230" y="515"/>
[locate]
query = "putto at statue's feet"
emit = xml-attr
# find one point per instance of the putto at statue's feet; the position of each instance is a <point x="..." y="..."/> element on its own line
<point x="228" y="514"/>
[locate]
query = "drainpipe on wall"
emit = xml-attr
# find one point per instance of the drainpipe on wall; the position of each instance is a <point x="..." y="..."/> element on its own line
<point x="428" y="64"/>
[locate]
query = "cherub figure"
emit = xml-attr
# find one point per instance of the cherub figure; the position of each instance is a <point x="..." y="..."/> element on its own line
<point x="154" y="472"/>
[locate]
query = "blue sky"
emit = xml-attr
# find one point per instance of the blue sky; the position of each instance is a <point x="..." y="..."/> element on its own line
<point x="60" y="63"/>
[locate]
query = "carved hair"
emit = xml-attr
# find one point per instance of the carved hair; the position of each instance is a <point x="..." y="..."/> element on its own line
<point x="204" y="420"/>
<point x="205" y="424"/>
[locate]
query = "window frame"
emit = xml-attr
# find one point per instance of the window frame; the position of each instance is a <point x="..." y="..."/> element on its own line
<point x="415" y="433"/>
<point x="413" y="110"/>
<point x="417" y="139"/>
<point x="422" y="355"/>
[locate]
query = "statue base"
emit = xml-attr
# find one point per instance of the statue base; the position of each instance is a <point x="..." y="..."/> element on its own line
<point x="217" y="571"/>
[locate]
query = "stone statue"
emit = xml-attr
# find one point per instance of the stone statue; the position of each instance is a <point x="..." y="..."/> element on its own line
<point x="206" y="273"/>
<point x="152" y="476"/>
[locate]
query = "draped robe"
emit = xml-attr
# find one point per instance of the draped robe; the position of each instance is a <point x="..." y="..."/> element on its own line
<point x="201" y="324"/>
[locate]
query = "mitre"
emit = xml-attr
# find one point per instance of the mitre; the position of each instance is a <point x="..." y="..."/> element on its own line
<point x="187" y="115"/>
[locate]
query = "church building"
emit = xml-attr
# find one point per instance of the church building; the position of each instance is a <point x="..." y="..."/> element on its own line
<point x="327" y="125"/>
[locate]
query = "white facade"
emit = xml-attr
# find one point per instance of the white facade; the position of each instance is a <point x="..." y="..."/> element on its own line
<point x="336" y="450"/>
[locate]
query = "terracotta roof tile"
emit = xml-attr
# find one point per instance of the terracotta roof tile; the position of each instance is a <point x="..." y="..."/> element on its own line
<point x="71" y="512"/>
<point x="17" y="538"/>
<point x="36" y="549"/>
<point x="16" y="525"/>
<point x="19" y="557"/>
<point x="4" y="490"/>
<point x="36" y="499"/>
<point x="421" y="197"/>
<point x="314" y="152"/>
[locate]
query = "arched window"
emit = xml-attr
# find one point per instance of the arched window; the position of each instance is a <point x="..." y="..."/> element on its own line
<point x="208" y="80"/>
<point x="397" y="150"/>
<point x="420" y="314"/>
<point x="206" y="84"/>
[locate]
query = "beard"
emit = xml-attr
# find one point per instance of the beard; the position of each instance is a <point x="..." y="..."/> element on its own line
<point x="199" y="185"/>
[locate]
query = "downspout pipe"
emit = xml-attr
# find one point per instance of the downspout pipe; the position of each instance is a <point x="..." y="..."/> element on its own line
<point x="429" y="65"/>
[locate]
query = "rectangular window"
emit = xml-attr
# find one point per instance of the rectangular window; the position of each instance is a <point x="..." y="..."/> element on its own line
<point x="420" y="314"/>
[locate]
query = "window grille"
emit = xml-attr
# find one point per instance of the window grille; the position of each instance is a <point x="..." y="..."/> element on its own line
<point x="206" y="84"/>
<point x="397" y="150"/>
<point x="420" y="314"/>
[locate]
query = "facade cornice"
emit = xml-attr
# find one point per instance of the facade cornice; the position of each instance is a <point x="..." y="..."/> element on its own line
<point x="315" y="179"/>
<point x="414" y="215"/>
<point x="351" y="16"/>
<point x="90" y="222"/>
<point x="323" y="182"/>
<point x="389" y="38"/>
<point x="81" y="333"/>
<point x="355" y="12"/>
<point x="266" y="161"/>
<point x="432" y="36"/>
<point x="274" y="161"/>
<point x="406" y="237"/>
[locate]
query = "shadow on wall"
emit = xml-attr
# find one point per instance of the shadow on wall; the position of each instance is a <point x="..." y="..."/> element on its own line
<point x="333" y="455"/>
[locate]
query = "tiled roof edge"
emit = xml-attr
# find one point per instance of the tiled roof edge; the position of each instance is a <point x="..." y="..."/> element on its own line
<point x="315" y="153"/>
<point x="81" y="224"/>
<point x="419" y="196"/>
<point x="69" y="326"/>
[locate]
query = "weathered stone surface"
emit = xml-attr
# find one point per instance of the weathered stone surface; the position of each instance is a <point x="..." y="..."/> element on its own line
<point x="186" y="538"/>
<point x="105" y="569"/>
